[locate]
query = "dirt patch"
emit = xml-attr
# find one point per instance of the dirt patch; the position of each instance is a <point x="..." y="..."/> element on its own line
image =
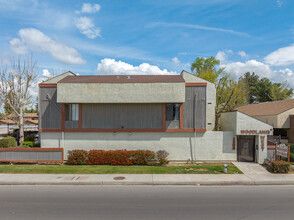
<point x="197" y="164"/>
<point x="192" y="169"/>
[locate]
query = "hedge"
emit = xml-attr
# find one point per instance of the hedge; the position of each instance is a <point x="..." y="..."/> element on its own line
<point x="30" y="137"/>
<point x="7" y="142"/>
<point x="278" y="166"/>
<point x="28" y="144"/>
<point x="117" y="157"/>
<point x="78" y="157"/>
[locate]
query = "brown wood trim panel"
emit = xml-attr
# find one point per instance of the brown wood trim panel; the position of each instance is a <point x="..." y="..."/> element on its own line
<point x="48" y="85"/>
<point x="185" y="130"/>
<point x="271" y="146"/>
<point x="196" y="84"/>
<point x="113" y="130"/>
<point x="31" y="149"/>
<point x="50" y="130"/>
<point x="62" y="116"/>
<point x="80" y="116"/>
<point x="181" y="116"/>
<point x="31" y="161"/>
<point x="122" y="130"/>
<point x="163" y="116"/>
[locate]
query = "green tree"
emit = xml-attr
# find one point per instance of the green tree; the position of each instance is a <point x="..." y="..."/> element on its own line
<point x="280" y="91"/>
<point x="229" y="93"/>
<point x="31" y="110"/>
<point x="264" y="90"/>
<point x="2" y="116"/>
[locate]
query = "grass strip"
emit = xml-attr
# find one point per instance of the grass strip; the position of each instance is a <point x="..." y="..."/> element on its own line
<point x="96" y="169"/>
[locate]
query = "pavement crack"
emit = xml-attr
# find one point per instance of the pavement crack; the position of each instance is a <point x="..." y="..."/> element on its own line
<point x="256" y="212"/>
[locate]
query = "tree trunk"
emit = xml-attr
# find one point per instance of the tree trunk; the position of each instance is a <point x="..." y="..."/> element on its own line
<point x="21" y="127"/>
<point x="216" y="127"/>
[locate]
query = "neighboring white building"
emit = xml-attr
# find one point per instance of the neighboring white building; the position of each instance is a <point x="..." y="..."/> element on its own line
<point x="175" y="113"/>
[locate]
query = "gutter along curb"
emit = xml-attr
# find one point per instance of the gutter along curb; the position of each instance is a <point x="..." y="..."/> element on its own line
<point x="146" y="179"/>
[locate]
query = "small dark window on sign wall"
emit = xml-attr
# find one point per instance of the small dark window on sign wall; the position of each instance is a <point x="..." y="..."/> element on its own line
<point x="71" y="112"/>
<point x="172" y="112"/>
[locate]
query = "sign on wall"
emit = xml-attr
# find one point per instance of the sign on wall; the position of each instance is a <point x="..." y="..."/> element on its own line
<point x="262" y="142"/>
<point x="255" y="131"/>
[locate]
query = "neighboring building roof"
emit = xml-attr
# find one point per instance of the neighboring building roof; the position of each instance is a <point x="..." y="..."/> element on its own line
<point x="123" y="79"/>
<point x="26" y="115"/>
<point x="267" y="108"/>
<point x="7" y="122"/>
<point x="29" y="121"/>
<point x="31" y="115"/>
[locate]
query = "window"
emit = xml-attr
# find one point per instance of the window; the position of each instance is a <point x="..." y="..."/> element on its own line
<point x="71" y="112"/>
<point x="172" y="112"/>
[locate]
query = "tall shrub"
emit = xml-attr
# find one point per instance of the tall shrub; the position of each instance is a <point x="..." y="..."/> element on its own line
<point x="78" y="157"/>
<point x="111" y="157"/>
<point x="7" y="142"/>
<point x="141" y="157"/>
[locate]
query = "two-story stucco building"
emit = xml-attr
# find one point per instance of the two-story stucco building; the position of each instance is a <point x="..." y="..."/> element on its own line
<point x="175" y="113"/>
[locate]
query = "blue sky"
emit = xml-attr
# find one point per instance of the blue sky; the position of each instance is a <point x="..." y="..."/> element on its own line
<point x="151" y="36"/>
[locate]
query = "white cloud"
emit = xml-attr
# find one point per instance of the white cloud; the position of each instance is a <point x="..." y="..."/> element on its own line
<point x="17" y="46"/>
<point x="176" y="60"/>
<point x="221" y="56"/>
<point x="46" y="74"/>
<point x="90" y="8"/>
<point x="195" y="26"/>
<point x="263" y="70"/>
<point x="87" y="27"/>
<point x="243" y="54"/>
<point x="281" y="57"/>
<point x="239" y="68"/>
<point x="34" y="39"/>
<point x="112" y="67"/>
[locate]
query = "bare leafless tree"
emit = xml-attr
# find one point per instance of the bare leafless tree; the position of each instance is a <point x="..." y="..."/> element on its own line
<point x="17" y="78"/>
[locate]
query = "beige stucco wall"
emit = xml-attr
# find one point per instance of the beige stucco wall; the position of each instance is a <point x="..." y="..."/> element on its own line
<point x="210" y="98"/>
<point x="245" y="122"/>
<point x="269" y="119"/>
<point x="208" y="146"/>
<point x="228" y="121"/>
<point x="236" y="121"/>
<point x="281" y="120"/>
<point x="284" y="119"/>
<point x="121" y="92"/>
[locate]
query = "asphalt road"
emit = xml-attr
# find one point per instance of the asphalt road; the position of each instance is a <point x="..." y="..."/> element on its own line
<point x="146" y="202"/>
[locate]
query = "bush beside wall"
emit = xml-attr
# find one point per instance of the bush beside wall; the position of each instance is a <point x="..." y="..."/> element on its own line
<point x="78" y="157"/>
<point x="7" y="142"/>
<point x="28" y="144"/>
<point x="30" y="137"/>
<point x="111" y="157"/>
<point x="116" y="157"/>
<point x="278" y="166"/>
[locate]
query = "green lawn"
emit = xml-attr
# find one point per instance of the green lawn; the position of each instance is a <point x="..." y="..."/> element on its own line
<point x="94" y="169"/>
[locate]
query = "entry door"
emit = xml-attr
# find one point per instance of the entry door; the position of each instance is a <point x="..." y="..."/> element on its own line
<point x="246" y="148"/>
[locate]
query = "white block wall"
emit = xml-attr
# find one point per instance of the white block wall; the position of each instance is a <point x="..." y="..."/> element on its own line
<point x="208" y="146"/>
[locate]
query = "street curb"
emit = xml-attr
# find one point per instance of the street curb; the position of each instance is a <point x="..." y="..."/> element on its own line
<point x="204" y="183"/>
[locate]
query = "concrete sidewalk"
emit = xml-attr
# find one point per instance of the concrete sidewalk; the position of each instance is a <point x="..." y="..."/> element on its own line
<point x="146" y="179"/>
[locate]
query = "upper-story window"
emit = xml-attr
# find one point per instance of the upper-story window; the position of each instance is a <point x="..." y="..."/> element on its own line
<point x="71" y="112"/>
<point x="172" y="112"/>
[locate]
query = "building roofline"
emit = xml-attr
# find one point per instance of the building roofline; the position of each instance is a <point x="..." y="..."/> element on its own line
<point x="58" y="76"/>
